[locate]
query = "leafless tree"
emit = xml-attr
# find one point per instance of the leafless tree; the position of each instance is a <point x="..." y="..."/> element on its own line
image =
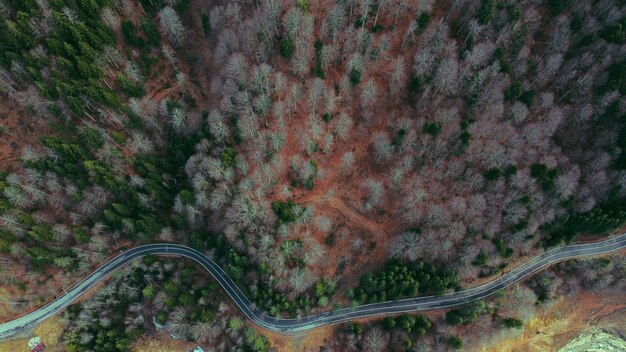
<point x="171" y="25"/>
<point x="375" y="340"/>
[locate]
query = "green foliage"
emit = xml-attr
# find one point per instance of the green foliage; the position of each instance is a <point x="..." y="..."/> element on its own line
<point x="423" y="19"/>
<point x="42" y="233"/>
<point x="617" y="77"/>
<point x="286" y="47"/>
<point x="513" y="323"/>
<point x="151" y="32"/>
<point x="6" y="240"/>
<point x="228" y="157"/>
<point x="82" y="235"/>
<point x="413" y="324"/>
<point x="398" y="138"/>
<point x="505" y="252"/>
<point x="432" y="128"/>
<point x="555" y="7"/>
<point x="92" y="138"/>
<point x="206" y="25"/>
<point x="415" y="85"/>
<point x="401" y="280"/>
<point x="486" y="11"/>
<point x="528" y="97"/>
<point x="544" y="175"/>
<point x="318" y="70"/>
<point x="149" y="292"/>
<point x="493" y="174"/>
<point x="466" y="314"/>
<point x="509" y="171"/>
<point x="130" y="34"/>
<point x="514" y="91"/>
<point x="602" y="218"/>
<point x="576" y="23"/>
<point x="285" y="211"/>
<point x="615" y="34"/>
<point x="355" y="76"/>
<point x="515" y="12"/>
<point x="130" y="88"/>
<point x="499" y="55"/>
<point x="354" y="328"/>
<point x="303" y="5"/>
<point x="455" y="342"/>
<point x="481" y="259"/>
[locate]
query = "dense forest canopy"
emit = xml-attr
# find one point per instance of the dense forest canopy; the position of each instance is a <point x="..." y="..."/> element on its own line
<point x="413" y="145"/>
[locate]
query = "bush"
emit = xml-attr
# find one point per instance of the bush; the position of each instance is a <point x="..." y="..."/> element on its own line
<point x="456" y="342"/>
<point x="513" y="323"/>
<point x="129" y="87"/>
<point x="577" y="23"/>
<point x="486" y="11"/>
<point x="466" y="314"/>
<point x="228" y="156"/>
<point x="423" y="19"/>
<point x="286" y="48"/>
<point x="432" y="128"/>
<point x="557" y="6"/>
<point x="355" y="77"/>
<point x="151" y="32"/>
<point x="514" y="91"/>
<point x="617" y="77"/>
<point x="318" y="70"/>
<point x="285" y="211"/>
<point x="206" y="25"/>
<point x="130" y="34"/>
<point x="493" y="174"/>
<point x="528" y="97"/>
<point x="614" y="34"/>
<point x="544" y="175"/>
<point x="481" y="259"/>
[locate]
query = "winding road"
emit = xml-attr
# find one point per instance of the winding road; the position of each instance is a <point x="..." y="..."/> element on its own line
<point x="283" y="325"/>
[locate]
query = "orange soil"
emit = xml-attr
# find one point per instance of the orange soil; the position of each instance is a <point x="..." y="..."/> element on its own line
<point x="20" y="131"/>
<point x="161" y="342"/>
<point x="567" y="318"/>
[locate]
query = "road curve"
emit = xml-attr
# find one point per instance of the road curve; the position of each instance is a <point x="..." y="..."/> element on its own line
<point x="283" y="325"/>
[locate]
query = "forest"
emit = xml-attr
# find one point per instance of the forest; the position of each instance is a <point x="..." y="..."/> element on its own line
<point x="325" y="154"/>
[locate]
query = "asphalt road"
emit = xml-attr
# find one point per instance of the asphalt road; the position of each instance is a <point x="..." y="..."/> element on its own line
<point x="330" y="317"/>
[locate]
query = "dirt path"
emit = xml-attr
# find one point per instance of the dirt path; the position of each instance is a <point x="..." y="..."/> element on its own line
<point x="350" y="214"/>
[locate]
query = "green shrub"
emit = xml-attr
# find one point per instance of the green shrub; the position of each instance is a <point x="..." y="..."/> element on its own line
<point x="151" y="32"/>
<point x="456" y="342"/>
<point x="423" y="19"/>
<point x="432" y="128"/>
<point x="486" y="11"/>
<point x="355" y="76"/>
<point x="228" y="157"/>
<point x="557" y="6"/>
<point x="493" y="174"/>
<point x="614" y="34"/>
<point x="285" y="211"/>
<point x="130" y="34"/>
<point x="512" y="323"/>
<point x="206" y="25"/>
<point x="514" y="91"/>
<point x="286" y="47"/>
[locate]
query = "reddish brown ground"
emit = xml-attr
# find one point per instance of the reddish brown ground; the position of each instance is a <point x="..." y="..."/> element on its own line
<point x="17" y="129"/>
<point x="565" y="320"/>
<point x="161" y="342"/>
